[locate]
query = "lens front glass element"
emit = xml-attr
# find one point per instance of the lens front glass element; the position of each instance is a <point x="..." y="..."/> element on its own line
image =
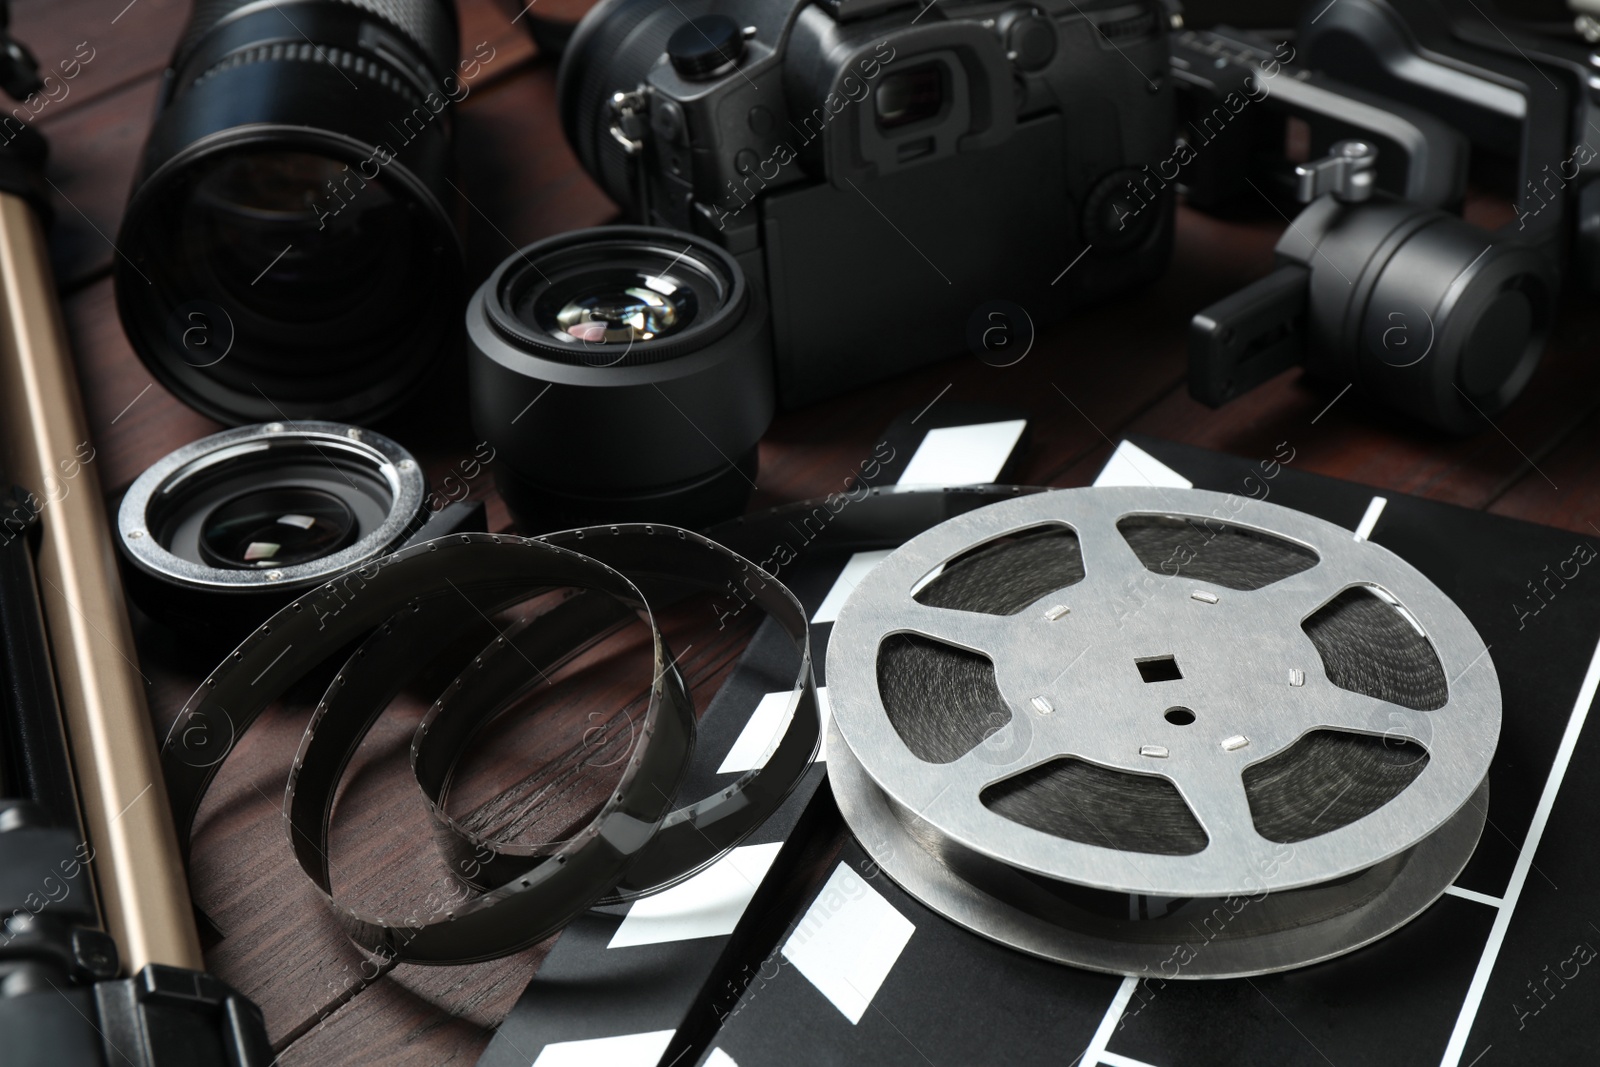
<point x="276" y="527"/>
<point x="293" y="237"/>
<point x="270" y="279"/>
<point x="605" y="296"/>
<point x="612" y="307"/>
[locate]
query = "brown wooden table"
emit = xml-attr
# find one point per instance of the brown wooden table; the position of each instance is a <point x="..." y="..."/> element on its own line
<point x="1116" y="369"/>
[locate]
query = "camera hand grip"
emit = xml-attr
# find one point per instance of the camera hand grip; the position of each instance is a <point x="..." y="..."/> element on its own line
<point x="1246" y="338"/>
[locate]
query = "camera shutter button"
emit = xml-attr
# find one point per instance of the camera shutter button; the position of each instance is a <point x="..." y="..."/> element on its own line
<point x="1029" y="38"/>
<point x="706" y="46"/>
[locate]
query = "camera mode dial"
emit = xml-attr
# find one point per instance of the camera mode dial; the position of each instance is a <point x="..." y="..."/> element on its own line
<point x="707" y="46"/>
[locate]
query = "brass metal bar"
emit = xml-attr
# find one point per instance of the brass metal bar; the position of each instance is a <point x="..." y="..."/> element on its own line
<point x="138" y="867"/>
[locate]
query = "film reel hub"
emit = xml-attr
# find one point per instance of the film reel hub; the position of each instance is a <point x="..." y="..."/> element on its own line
<point x="1156" y="696"/>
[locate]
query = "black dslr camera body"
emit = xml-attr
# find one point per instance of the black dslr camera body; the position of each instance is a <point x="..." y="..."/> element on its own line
<point x="882" y="169"/>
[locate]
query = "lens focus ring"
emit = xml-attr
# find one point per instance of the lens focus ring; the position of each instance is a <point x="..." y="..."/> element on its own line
<point x="429" y="25"/>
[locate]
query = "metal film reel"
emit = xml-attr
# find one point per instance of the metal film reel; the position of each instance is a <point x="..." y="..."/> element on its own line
<point x="1122" y="727"/>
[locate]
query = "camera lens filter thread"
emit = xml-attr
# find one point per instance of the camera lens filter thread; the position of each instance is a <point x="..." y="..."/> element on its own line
<point x="1155" y="732"/>
<point x="223" y="531"/>
<point x="624" y="374"/>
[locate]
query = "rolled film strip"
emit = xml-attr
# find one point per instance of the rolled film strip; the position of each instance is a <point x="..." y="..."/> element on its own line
<point x="634" y="844"/>
<point x="694" y="836"/>
<point x="1109" y="728"/>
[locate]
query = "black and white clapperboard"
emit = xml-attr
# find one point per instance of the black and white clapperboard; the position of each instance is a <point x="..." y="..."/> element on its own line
<point x="1501" y="970"/>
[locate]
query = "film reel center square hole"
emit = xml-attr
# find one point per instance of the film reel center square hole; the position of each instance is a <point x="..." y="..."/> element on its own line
<point x="1179" y="716"/>
<point x="1158" y="669"/>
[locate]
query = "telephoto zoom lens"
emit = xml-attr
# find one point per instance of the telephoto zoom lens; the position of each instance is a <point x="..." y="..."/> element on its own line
<point x="288" y="251"/>
<point x="623" y="374"/>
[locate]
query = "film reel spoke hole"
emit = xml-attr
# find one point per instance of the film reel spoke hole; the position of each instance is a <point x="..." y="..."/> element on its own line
<point x="1005" y="575"/>
<point x="1101" y="806"/>
<point x="1327" y="780"/>
<point x="1210" y="550"/>
<point x="1371" y="644"/>
<point x="916" y="674"/>
<point x="1179" y="716"/>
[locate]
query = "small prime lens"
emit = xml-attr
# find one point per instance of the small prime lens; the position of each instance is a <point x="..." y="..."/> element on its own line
<point x="287" y="250"/>
<point x="622" y="374"/>
<point x="221" y="533"/>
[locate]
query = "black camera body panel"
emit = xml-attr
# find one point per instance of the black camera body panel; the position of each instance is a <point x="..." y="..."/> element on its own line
<point x="854" y="312"/>
<point x="883" y="173"/>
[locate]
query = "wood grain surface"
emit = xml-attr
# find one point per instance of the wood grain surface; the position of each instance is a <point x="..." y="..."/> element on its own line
<point x="1112" y="370"/>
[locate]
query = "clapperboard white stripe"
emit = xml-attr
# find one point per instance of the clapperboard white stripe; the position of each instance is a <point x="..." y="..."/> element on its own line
<point x="848" y="942"/>
<point x="949" y="455"/>
<point x="845" y="584"/>
<point x="1096" y="1051"/>
<point x="1473" y="894"/>
<point x="707" y="905"/>
<point x="1131" y="465"/>
<point x="754" y="744"/>
<point x="1519" y="873"/>
<point x="1116" y="1059"/>
<point x="719" y="1058"/>
<point x="624" y="1050"/>
<point x="963" y="455"/>
<point x="1369" y="519"/>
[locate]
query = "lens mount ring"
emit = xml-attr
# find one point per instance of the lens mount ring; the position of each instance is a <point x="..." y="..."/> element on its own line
<point x="548" y="266"/>
<point x="169" y="483"/>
